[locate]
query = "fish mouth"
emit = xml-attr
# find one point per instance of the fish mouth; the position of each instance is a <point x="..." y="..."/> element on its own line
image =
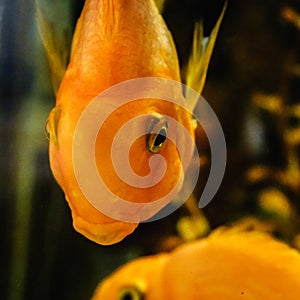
<point x="107" y="233"/>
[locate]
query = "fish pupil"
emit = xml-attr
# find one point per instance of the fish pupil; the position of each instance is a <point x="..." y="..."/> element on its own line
<point x="127" y="296"/>
<point x="131" y="293"/>
<point x="158" y="128"/>
<point x="161" y="137"/>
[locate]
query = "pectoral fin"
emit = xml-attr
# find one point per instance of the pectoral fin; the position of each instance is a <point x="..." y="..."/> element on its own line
<point x="56" y="47"/>
<point x="160" y="4"/>
<point x="52" y="124"/>
<point x="200" y="57"/>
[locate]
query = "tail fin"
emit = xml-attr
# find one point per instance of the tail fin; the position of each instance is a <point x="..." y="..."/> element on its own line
<point x="56" y="47"/>
<point x="200" y="56"/>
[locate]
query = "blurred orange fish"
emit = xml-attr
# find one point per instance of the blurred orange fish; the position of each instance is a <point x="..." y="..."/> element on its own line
<point x="227" y="265"/>
<point x="114" y="41"/>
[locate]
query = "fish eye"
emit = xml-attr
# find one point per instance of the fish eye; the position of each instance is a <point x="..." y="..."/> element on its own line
<point x="157" y="139"/>
<point x="130" y="293"/>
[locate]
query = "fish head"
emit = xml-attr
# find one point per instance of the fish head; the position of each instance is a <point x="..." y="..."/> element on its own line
<point x="228" y="264"/>
<point x="138" y="280"/>
<point x="140" y="152"/>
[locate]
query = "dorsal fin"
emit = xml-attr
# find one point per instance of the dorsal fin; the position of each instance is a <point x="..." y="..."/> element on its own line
<point x="160" y="5"/>
<point x="56" y="47"/>
<point x="200" y="57"/>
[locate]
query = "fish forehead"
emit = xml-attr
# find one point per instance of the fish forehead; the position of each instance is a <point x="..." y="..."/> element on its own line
<point x="144" y="273"/>
<point x="118" y="40"/>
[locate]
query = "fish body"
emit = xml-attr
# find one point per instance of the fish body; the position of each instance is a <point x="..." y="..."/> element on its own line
<point x="115" y="41"/>
<point x="226" y="265"/>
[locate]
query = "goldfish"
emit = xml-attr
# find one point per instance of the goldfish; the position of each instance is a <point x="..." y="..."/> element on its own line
<point x="228" y="264"/>
<point x="116" y="41"/>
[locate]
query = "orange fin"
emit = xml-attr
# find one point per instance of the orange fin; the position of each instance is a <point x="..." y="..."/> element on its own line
<point x="200" y="57"/>
<point x="160" y="4"/>
<point x="56" y="47"/>
<point x="52" y="124"/>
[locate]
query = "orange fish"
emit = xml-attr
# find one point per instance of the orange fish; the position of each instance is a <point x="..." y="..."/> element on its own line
<point x="227" y="265"/>
<point x="115" y="41"/>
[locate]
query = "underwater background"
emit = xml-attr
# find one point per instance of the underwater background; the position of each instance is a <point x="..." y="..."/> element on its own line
<point x="253" y="85"/>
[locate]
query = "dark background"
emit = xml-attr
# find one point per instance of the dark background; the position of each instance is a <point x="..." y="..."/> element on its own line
<point x="257" y="51"/>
